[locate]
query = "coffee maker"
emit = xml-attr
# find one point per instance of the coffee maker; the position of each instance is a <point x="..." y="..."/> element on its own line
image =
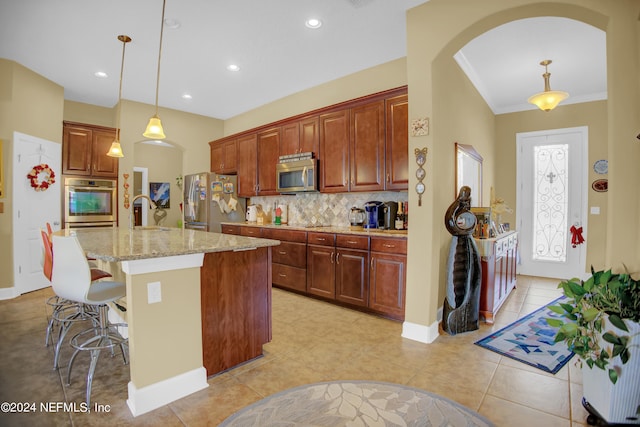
<point x="390" y="212"/>
<point x="374" y="215"/>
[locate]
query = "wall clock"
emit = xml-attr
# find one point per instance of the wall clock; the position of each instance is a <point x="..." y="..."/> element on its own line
<point x="420" y="127"/>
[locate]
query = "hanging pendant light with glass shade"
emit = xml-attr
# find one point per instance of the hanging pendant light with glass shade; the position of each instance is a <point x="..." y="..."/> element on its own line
<point x="549" y="99"/>
<point x="116" y="150"/>
<point x="154" y="128"/>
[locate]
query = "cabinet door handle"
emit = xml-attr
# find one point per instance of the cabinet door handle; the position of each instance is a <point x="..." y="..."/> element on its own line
<point x="372" y="263"/>
<point x="321" y="239"/>
<point x="338" y="258"/>
<point x="282" y="252"/>
<point x="332" y="254"/>
<point x="388" y="177"/>
<point x="351" y="242"/>
<point x="282" y="275"/>
<point x="386" y="245"/>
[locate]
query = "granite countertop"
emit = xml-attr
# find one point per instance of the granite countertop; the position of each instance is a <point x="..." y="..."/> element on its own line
<point x="327" y="229"/>
<point x="121" y="244"/>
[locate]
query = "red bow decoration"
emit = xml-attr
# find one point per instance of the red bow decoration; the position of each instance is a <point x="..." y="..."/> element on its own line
<point x="576" y="236"/>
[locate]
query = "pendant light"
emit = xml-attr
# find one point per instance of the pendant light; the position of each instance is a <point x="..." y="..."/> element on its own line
<point x="549" y="99"/>
<point x="116" y="149"/>
<point x="154" y="128"/>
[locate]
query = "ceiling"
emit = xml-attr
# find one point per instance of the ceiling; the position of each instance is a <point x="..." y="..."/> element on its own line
<point x="67" y="41"/>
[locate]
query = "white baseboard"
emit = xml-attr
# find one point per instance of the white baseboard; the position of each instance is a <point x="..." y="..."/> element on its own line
<point x="422" y="333"/>
<point x="9" y="293"/>
<point x="154" y="396"/>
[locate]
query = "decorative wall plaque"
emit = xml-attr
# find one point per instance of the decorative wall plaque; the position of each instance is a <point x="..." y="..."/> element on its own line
<point x="421" y="159"/>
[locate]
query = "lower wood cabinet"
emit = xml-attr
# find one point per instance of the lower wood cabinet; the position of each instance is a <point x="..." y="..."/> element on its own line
<point x="362" y="272"/>
<point x="498" y="259"/>
<point x="388" y="276"/>
<point x="289" y="258"/>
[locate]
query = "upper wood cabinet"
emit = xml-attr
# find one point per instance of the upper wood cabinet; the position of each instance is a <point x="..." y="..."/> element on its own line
<point x="334" y="152"/>
<point x="367" y="147"/>
<point x="397" y="143"/>
<point x="224" y="156"/>
<point x="84" y="150"/>
<point x="300" y="136"/>
<point x="268" y="146"/>
<point x="248" y="165"/>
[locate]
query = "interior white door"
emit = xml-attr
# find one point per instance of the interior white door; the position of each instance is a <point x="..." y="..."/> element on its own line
<point x="33" y="209"/>
<point x="551" y="198"/>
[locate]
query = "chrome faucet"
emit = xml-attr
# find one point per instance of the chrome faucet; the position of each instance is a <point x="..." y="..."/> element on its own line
<point x="139" y="196"/>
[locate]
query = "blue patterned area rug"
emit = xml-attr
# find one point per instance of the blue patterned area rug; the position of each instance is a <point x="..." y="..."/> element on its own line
<point x="530" y="340"/>
<point x="355" y="403"/>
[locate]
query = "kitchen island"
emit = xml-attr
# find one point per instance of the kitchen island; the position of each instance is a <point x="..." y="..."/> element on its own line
<point x="197" y="303"/>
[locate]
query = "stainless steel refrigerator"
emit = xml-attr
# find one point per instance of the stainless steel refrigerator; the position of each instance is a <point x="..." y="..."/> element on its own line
<point x="210" y="199"/>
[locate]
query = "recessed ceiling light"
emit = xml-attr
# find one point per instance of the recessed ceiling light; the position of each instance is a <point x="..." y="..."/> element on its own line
<point x="313" y="23"/>
<point x="233" y="67"/>
<point x="172" y="23"/>
<point x="101" y="74"/>
<point x="187" y="96"/>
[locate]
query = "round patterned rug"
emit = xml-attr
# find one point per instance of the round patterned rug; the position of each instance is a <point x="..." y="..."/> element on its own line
<point x="355" y="403"/>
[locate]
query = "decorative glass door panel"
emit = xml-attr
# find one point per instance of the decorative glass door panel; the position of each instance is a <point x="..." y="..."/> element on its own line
<point x="550" y="204"/>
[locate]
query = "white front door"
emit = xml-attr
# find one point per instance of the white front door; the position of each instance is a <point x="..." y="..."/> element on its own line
<point x="33" y="209"/>
<point x="551" y="198"/>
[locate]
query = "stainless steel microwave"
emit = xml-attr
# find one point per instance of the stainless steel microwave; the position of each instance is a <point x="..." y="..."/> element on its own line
<point x="297" y="176"/>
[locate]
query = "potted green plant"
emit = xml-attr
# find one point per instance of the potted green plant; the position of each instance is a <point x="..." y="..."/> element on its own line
<point x="603" y="330"/>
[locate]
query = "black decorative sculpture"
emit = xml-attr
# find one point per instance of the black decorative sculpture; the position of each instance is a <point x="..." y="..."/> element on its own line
<point x="464" y="275"/>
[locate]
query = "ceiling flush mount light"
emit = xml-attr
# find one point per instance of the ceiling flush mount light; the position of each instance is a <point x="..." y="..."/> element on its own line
<point x="101" y="74"/>
<point x="313" y="23"/>
<point x="154" y="128"/>
<point x="116" y="150"/>
<point x="549" y="99"/>
<point x="233" y="67"/>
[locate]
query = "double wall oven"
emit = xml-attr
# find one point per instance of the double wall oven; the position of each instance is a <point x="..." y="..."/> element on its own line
<point x="90" y="202"/>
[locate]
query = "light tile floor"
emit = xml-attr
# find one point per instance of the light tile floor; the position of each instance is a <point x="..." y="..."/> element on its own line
<point x="312" y="341"/>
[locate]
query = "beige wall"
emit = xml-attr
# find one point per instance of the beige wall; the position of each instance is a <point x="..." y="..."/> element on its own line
<point x="590" y="114"/>
<point x="89" y="114"/>
<point x="377" y="79"/>
<point x="441" y="27"/>
<point x="164" y="165"/>
<point x="32" y="105"/>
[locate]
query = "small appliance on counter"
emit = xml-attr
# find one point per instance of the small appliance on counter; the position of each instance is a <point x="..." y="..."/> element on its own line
<point x="356" y="217"/>
<point x="390" y="213"/>
<point x="374" y="215"/>
<point x="252" y="213"/>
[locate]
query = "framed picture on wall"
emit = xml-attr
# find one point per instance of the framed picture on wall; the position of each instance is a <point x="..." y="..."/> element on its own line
<point x="159" y="193"/>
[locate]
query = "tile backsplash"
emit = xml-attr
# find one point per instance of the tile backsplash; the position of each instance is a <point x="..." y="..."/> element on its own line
<point x="318" y="209"/>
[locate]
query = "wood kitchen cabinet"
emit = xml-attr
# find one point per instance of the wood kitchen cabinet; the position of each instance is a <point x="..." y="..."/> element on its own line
<point x="300" y="136"/>
<point x="289" y="258"/>
<point x="321" y="276"/>
<point x="231" y="229"/>
<point x="388" y="276"/>
<point x="334" y="152"/>
<point x="268" y="145"/>
<point x="397" y="143"/>
<point x="224" y="156"/>
<point x="367" y="147"/>
<point x="337" y="267"/>
<point x="248" y="165"/>
<point x="84" y="151"/>
<point x="352" y="269"/>
<point x="498" y="260"/>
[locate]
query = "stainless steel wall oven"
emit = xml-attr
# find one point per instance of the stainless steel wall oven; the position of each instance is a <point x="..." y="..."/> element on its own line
<point x="90" y="202"/>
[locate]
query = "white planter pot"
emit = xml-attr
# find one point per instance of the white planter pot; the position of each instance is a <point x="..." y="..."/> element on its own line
<point x="616" y="403"/>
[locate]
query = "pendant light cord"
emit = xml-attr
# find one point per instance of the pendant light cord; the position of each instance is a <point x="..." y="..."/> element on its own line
<point x="124" y="39"/>
<point x="164" y="3"/>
